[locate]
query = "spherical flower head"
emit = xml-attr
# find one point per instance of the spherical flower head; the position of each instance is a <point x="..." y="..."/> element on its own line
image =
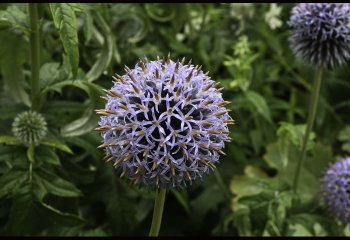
<point x="164" y="123"/>
<point x="29" y="127"/>
<point x="336" y="189"/>
<point x="321" y="33"/>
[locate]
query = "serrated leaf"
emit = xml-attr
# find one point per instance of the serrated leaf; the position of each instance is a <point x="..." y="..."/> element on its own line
<point x="259" y="104"/>
<point x="57" y="144"/>
<point x="65" y="21"/>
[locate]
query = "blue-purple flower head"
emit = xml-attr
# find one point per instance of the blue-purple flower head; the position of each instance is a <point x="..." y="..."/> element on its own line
<point x="164" y="123"/>
<point x="336" y="189"/>
<point x="321" y="33"/>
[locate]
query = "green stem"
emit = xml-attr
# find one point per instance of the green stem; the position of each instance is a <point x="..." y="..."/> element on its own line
<point x="157" y="212"/>
<point x="310" y="121"/>
<point x="30" y="172"/>
<point x="34" y="55"/>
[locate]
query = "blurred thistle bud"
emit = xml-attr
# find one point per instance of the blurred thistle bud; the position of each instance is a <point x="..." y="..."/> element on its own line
<point x="336" y="189"/>
<point x="164" y="123"/>
<point x="321" y="33"/>
<point x="29" y="127"/>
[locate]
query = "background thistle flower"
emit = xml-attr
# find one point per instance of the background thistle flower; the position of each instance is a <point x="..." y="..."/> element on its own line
<point x="29" y="127"/>
<point x="336" y="189"/>
<point x="321" y="33"/>
<point x="164" y="123"/>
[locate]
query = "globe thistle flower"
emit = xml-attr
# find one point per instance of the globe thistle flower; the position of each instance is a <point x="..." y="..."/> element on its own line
<point x="321" y="33"/>
<point x="336" y="189"/>
<point x="29" y="127"/>
<point x="164" y="123"/>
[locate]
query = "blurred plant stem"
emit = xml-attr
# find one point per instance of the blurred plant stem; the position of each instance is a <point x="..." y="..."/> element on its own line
<point x="310" y="121"/>
<point x="157" y="212"/>
<point x="34" y="55"/>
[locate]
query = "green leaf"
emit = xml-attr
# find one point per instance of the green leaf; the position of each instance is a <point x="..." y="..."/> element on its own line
<point x="45" y="182"/>
<point x="292" y="134"/>
<point x="22" y="213"/>
<point x="259" y="104"/>
<point x="89" y="119"/>
<point x="88" y="144"/>
<point x="65" y="21"/>
<point x="144" y="207"/>
<point x="77" y="7"/>
<point x="242" y="221"/>
<point x="11" y="66"/>
<point x="286" y="173"/>
<point x="160" y="12"/>
<point x="51" y="73"/>
<point x="182" y="198"/>
<point x="47" y="155"/>
<point x="11" y="181"/>
<point x="58" y="217"/>
<point x="78" y="174"/>
<point x="205" y="202"/>
<point x="305" y="224"/>
<point x="13" y="16"/>
<point x="107" y="52"/>
<point x="12" y="140"/>
<point x="344" y="136"/>
<point x="29" y="217"/>
<point x="299" y="231"/>
<point x="246" y="185"/>
<point x="57" y="144"/>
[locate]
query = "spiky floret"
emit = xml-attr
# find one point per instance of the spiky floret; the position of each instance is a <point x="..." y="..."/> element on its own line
<point x="164" y="123"/>
<point x="336" y="189"/>
<point x="321" y="33"/>
<point x="29" y="127"/>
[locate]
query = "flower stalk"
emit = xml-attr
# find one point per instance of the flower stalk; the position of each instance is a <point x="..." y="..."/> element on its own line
<point x="311" y="118"/>
<point x="34" y="55"/>
<point x="157" y="212"/>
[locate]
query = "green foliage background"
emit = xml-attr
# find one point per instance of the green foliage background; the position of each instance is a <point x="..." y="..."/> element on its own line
<point x="71" y="191"/>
